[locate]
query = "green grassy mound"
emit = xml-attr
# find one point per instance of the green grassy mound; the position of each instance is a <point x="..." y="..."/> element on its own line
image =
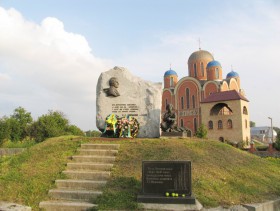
<point x="26" y="178"/>
<point x="221" y="174"/>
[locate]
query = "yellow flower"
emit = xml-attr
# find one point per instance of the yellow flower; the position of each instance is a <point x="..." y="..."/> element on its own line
<point x="112" y="119"/>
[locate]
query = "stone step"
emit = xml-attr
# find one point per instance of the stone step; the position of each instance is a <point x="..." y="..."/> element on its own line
<point x="76" y="195"/>
<point x="66" y="206"/>
<point x="80" y="184"/>
<point x="103" y="152"/>
<point x="100" y="146"/>
<point x="93" y="159"/>
<point x="89" y="166"/>
<point x="88" y="175"/>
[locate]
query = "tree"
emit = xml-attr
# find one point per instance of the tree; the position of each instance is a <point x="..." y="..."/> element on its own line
<point x="93" y="133"/>
<point x="74" y="130"/>
<point x="15" y="129"/>
<point x="19" y="122"/>
<point x="4" y="130"/>
<point x="277" y="129"/>
<point x="277" y="142"/>
<point x="252" y="124"/>
<point x="53" y="124"/>
<point x="201" y="132"/>
<point x="49" y="125"/>
<point x="20" y="125"/>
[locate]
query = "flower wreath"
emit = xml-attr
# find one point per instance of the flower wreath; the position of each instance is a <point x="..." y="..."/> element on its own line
<point x="127" y="127"/>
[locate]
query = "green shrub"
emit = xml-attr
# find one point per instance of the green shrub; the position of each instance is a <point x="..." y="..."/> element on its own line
<point x="52" y="124"/>
<point x="277" y="142"/>
<point x="74" y="130"/>
<point x="18" y="144"/>
<point x="201" y="132"/>
<point x="15" y="128"/>
<point x="20" y="126"/>
<point x="93" y="133"/>
<point x="19" y="123"/>
<point x="4" y="130"/>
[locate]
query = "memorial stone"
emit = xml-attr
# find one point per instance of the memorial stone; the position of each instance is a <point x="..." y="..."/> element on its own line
<point x="166" y="182"/>
<point x="121" y="93"/>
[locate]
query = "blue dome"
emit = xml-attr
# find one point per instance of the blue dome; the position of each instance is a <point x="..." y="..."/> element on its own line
<point x="213" y="63"/>
<point x="170" y="72"/>
<point x="232" y="74"/>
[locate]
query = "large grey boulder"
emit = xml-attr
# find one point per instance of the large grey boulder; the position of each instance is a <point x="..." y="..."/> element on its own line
<point x="121" y="93"/>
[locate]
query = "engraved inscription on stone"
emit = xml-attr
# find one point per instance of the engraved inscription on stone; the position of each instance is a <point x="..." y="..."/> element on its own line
<point x="159" y="177"/>
<point x="131" y="109"/>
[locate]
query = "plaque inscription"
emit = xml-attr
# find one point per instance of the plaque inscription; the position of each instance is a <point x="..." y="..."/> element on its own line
<point x="159" y="177"/>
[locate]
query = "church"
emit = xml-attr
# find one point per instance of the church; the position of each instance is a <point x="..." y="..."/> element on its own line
<point x="204" y="97"/>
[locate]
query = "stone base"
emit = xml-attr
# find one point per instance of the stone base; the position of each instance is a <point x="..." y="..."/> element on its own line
<point x="269" y="205"/>
<point x="165" y="200"/>
<point x="174" y="207"/>
<point x="7" y="206"/>
<point x="174" y="134"/>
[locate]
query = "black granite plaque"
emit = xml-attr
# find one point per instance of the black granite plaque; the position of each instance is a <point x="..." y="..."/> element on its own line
<point x="161" y="177"/>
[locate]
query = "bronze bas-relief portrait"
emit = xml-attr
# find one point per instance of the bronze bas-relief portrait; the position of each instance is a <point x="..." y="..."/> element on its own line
<point x="112" y="90"/>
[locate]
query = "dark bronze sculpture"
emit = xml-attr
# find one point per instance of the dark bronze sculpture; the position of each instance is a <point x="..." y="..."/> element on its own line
<point x="169" y="120"/>
<point x="112" y="91"/>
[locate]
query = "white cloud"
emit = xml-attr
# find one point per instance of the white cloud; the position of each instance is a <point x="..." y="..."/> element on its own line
<point x="45" y="67"/>
<point x="42" y="66"/>
<point x="4" y="77"/>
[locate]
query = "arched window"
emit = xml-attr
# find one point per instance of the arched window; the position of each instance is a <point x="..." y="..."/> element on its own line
<point x="220" y="124"/>
<point x="221" y="109"/>
<point x="193" y="101"/>
<point x="195" y="125"/>
<point x="166" y="102"/>
<point x="194" y="69"/>
<point x="182" y="103"/>
<point x="210" y="125"/>
<point x="182" y="123"/>
<point x="246" y="123"/>
<point x="188" y="97"/>
<point x="202" y="69"/>
<point x="245" y="111"/>
<point x="229" y="124"/>
<point x="171" y="81"/>
<point x="217" y="73"/>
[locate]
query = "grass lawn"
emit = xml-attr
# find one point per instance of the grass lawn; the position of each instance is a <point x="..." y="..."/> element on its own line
<point x="27" y="177"/>
<point x="221" y="174"/>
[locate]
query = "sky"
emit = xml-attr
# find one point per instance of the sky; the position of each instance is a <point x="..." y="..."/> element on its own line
<point x="52" y="52"/>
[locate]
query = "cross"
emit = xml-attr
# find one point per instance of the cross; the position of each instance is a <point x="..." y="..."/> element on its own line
<point x="231" y="67"/>
<point x="199" y="42"/>
<point x="170" y="66"/>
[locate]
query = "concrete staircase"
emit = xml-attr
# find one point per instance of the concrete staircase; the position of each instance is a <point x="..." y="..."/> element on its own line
<point x="88" y="173"/>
